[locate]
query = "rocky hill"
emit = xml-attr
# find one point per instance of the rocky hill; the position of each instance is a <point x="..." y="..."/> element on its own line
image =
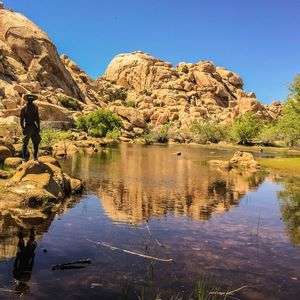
<point x="143" y="90"/>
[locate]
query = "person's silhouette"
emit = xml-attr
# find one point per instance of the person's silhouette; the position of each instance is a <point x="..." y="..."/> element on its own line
<point x="24" y="262"/>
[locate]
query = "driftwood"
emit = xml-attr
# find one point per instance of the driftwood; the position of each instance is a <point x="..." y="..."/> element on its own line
<point x="130" y="252"/>
<point x="79" y="264"/>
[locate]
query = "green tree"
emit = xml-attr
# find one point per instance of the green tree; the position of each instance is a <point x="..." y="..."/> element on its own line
<point x="246" y="128"/>
<point x="205" y="132"/>
<point x="100" y="123"/>
<point x="288" y="125"/>
<point x="268" y="134"/>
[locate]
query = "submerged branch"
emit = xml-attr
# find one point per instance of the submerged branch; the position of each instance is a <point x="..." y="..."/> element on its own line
<point x="72" y="265"/>
<point x="130" y="252"/>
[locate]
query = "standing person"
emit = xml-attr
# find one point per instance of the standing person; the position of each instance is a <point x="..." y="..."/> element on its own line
<point x="30" y="123"/>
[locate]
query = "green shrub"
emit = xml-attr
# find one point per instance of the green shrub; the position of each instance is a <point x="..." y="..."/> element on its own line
<point x="204" y="132"/>
<point x="51" y="136"/>
<point x="161" y="133"/>
<point x="99" y="123"/>
<point x="185" y="69"/>
<point x="145" y="139"/>
<point x="68" y="102"/>
<point x="114" y="134"/>
<point x="246" y="128"/>
<point x="119" y="93"/>
<point x="288" y="124"/>
<point x="130" y="103"/>
<point x="268" y="134"/>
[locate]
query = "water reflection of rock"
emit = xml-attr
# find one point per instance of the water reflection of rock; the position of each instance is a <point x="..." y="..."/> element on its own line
<point x="13" y="217"/>
<point x="135" y="184"/>
<point x="134" y="201"/>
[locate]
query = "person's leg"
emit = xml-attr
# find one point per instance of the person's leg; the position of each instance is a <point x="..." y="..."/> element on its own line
<point x="26" y="138"/>
<point x="36" y="138"/>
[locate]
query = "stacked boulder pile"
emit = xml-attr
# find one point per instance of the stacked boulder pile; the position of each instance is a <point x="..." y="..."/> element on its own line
<point x="144" y="91"/>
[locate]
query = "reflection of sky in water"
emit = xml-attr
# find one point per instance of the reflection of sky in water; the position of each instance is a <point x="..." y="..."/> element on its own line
<point x="247" y="245"/>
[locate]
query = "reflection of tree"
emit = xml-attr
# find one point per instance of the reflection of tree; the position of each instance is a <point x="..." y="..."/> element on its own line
<point x="290" y="207"/>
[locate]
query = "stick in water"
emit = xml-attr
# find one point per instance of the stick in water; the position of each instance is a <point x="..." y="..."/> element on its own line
<point x="130" y="252"/>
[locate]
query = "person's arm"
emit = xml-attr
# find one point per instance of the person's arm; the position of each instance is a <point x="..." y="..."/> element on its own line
<point x="22" y="119"/>
<point x="38" y="119"/>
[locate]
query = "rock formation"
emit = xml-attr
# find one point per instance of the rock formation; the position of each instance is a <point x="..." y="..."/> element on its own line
<point x="241" y="160"/>
<point x="184" y="94"/>
<point x="143" y="90"/>
<point x="40" y="181"/>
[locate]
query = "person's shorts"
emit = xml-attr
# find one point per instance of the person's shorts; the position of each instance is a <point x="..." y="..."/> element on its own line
<point x="31" y="132"/>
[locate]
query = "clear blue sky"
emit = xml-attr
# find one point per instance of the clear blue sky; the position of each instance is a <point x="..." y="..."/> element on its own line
<point x="258" y="39"/>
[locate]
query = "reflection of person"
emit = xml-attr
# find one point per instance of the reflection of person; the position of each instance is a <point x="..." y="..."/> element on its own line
<point x="24" y="262"/>
<point x="30" y="123"/>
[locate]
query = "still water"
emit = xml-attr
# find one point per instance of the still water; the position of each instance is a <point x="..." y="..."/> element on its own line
<point x="226" y="229"/>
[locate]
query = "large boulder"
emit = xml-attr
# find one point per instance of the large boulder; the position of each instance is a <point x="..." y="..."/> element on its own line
<point x="30" y="55"/>
<point x="139" y="71"/>
<point x="51" y="112"/>
<point x="132" y="115"/>
<point x="42" y="180"/>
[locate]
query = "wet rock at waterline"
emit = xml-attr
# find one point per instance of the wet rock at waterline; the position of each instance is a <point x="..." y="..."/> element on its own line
<point x="41" y="181"/>
<point x="240" y="159"/>
<point x="245" y="160"/>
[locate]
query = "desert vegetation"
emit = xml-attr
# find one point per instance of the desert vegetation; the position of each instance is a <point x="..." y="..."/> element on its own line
<point x="100" y="123"/>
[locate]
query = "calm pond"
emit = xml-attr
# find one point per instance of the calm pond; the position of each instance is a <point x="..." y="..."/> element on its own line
<point x="227" y="229"/>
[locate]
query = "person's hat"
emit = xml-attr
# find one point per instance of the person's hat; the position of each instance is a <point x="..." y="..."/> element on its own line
<point x="30" y="97"/>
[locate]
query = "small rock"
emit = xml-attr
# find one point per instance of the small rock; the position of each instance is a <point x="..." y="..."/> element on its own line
<point x="20" y="89"/>
<point x="12" y="162"/>
<point x="9" y="104"/>
<point x="4" y="174"/>
<point x="4" y="153"/>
